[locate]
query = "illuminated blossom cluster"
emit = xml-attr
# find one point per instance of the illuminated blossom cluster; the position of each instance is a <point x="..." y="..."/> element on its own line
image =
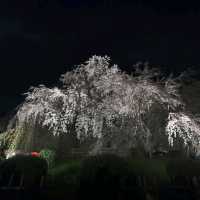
<point x="48" y="107"/>
<point x="183" y="127"/>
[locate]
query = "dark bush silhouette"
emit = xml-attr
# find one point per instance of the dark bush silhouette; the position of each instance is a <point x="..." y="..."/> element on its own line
<point x="183" y="167"/>
<point x="108" y="177"/>
<point x="28" y="168"/>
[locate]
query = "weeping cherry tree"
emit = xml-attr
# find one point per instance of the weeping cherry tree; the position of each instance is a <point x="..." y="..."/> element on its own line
<point x="100" y="101"/>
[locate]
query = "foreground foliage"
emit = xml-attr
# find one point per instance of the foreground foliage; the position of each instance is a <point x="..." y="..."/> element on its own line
<point x="99" y="176"/>
<point x="106" y="176"/>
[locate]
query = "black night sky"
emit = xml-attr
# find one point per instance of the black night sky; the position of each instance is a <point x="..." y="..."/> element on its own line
<point x="41" y="39"/>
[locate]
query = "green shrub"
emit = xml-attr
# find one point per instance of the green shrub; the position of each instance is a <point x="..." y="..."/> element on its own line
<point x="65" y="176"/>
<point x="183" y="167"/>
<point x="49" y="156"/>
<point x="150" y="169"/>
<point x="106" y="174"/>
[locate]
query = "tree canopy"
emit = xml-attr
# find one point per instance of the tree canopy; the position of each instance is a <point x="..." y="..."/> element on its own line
<point x="98" y="100"/>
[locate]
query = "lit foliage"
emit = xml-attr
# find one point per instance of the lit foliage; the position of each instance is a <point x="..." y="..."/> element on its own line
<point x="48" y="155"/>
<point x="96" y="96"/>
<point x="182" y="126"/>
<point x="50" y="107"/>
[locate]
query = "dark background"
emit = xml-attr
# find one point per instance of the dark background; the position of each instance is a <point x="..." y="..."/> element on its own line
<point x="42" y="39"/>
